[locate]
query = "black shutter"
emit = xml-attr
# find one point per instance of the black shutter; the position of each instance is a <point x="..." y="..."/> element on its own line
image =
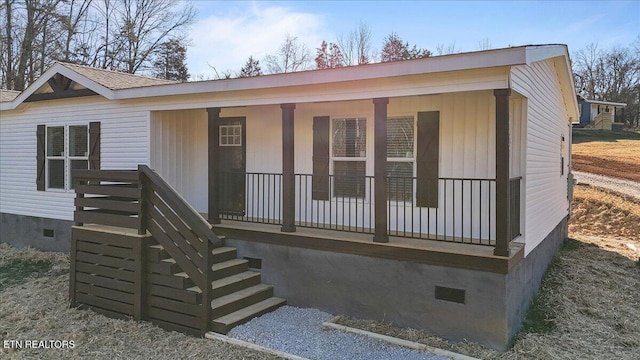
<point x="427" y="158"/>
<point x="94" y="146"/>
<point x="320" y="181"/>
<point x="40" y="157"/>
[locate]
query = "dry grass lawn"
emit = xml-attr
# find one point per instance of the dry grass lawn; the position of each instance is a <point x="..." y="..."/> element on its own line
<point x="37" y="309"/>
<point x="608" y="154"/>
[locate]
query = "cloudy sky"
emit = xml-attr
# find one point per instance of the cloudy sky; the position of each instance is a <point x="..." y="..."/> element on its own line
<point x="228" y="32"/>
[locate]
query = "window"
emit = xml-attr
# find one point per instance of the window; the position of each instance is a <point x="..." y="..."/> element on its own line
<point x="400" y="158"/>
<point x="349" y="140"/>
<point x="230" y="135"/>
<point x="67" y="149"/>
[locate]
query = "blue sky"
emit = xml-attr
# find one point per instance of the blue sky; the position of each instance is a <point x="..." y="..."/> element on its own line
<point x="228" y="32"/>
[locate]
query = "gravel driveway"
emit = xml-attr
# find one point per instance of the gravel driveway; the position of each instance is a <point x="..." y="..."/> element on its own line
<point x="300" y="332"/>
<point x="624" y="187"/>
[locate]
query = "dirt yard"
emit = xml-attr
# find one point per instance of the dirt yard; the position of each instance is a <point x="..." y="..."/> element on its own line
<point x="615" y="154"/>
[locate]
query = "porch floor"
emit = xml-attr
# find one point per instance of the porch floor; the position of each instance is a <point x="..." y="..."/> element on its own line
<point x="455" y="254"/>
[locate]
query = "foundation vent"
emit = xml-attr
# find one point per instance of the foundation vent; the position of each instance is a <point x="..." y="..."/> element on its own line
<point x="450" y="294"/>
<point x="47" y="233"/>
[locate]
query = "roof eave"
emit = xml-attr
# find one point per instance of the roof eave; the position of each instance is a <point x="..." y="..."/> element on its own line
<point x="455" y="62"/>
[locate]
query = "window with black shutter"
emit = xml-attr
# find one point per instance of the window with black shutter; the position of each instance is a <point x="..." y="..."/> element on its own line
<point x="427" y="158"/>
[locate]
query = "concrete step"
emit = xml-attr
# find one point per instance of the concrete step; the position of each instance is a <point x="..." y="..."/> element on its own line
<point x="224" y="253"/>
<point x="233" y="283"/>
<point x="240" y="299"/>
<point x="228" y="268"/>
<point x="225" y="323"/>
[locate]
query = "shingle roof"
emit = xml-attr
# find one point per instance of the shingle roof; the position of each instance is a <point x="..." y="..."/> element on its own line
<point x="8" y="95"/>
<point x="115" y="80"/>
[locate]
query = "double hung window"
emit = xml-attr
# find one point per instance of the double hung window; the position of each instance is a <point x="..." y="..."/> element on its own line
<point x="400" y="158"/>
<point x="349" y="157"/>
<point x="67" y="149"/>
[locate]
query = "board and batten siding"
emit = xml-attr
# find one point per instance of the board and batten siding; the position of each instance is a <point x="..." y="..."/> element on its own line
<point x="467" y="140"/>
<point x="124" y="145"/>
<point x="546" y="202"/>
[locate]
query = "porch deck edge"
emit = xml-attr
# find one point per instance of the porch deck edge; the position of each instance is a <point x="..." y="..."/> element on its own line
<point x="440" y="257"/>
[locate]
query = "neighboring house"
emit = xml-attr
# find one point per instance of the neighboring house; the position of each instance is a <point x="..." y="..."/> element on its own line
<point x="430" y="193"/>
<point x="596" y="114"/>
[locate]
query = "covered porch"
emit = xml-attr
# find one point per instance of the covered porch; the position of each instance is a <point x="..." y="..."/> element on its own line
<point x="419" y="167"/>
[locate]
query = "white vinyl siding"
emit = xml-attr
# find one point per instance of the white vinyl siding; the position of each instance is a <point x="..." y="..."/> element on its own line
<point x="547" y="121"/>
<point x="124" y="145"/>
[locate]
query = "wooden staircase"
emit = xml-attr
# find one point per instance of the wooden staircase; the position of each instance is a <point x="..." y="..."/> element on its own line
<point x="173" y="271"/>
<point x="238" y="294"/>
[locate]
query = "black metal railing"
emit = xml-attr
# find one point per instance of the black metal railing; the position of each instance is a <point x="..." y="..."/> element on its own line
<point x="348" y="205"/>
<point x="514" y="207"/>
<point x="251" y="197"/>
<point x="465" y="211"/>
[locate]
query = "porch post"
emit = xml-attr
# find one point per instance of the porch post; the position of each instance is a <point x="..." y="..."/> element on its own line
<point x="380" y="168"/>
<point x="214" y="139"/>
<point x="288" y="177"/>
<point x="502" y="172"/>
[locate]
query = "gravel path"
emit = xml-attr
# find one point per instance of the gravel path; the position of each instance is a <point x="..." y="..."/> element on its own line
<point x="300" y="332"/>
<point x="625" y="187"/>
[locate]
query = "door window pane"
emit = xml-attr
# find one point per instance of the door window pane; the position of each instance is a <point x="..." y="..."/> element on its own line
<point x="55" y="141"/>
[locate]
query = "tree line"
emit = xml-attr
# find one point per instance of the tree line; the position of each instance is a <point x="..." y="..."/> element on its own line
<point x="149" y="37"/>
<point x="125" y="35"/>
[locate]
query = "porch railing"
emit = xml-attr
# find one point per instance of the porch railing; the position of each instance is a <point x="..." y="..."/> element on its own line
<point x="465" y="212"/>
<point x="348" y="207"/>
<point x="514" y="207"/>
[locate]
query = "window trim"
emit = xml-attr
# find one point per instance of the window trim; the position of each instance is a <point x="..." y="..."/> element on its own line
<point x="66" y="157"/>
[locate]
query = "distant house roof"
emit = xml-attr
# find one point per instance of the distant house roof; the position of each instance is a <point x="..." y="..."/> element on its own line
<point x="607" y="103"/>
<point x="8" y="95"/>
<point x="115" y="80"/>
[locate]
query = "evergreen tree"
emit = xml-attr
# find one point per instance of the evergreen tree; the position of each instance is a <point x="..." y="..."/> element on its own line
<point x="170" y="60"/>
<point x="394" y="49"/>
<point x="251" y="68"/>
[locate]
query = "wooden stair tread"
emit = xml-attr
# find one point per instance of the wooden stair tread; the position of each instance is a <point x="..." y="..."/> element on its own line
<point x="239" y="295"/>
<point x="227" y="322"/>
<point x="222" y="249"/>
<point x="233" y="278"/>
<point x="228" y="263"/>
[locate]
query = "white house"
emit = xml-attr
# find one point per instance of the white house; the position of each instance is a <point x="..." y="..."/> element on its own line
<point x="430" y="193"/>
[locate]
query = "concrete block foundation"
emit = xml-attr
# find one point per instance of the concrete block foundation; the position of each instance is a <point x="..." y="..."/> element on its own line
<point x="43" y="234"/>
<point x="478" y="306"/>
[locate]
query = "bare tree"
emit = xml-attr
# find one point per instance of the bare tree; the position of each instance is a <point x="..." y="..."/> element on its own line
<point x="484" y="44"/>
<point x="610" y="75"/>
<point x="144" y="25"/>
<point x="441" y="49"/>
<point x="291" y="56"/>
<point x="356" y="46"/>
